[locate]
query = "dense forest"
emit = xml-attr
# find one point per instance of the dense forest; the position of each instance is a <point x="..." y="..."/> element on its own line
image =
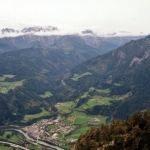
<point x="130" y="134"/>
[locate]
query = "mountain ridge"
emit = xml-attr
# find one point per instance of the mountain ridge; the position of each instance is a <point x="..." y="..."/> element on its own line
<point x="27" y="41"/>
<point x="120" y="71"/>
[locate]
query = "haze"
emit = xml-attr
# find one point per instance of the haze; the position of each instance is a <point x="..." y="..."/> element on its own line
<point x="102" y="16"/>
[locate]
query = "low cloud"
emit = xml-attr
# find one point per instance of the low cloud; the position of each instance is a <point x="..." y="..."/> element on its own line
<point x="65" y="30"/>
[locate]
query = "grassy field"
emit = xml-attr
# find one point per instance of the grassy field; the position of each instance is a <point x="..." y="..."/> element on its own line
<point x="78" y="117"/>
<point x="66" y="107"/>
<point x="6" y="86"/>
<point x="76" y="76"/>
<point x="13" y="137"/>
<point x="81" y="118"/>
<point x="46" y="94"/>
<point x="6" y="76"/>
<point x="106" y="91"/>
<point x="117" y="84"/>
<point x="34" y="148"/>
<point x="51" y="126"/>
<point x="9" y="136"/>
<point x="75" y="135"/>
<point x="5" y="148"/>
<point x="35" y="116"/>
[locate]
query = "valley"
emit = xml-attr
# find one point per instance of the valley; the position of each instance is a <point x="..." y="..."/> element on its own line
<point x="58" y="92"/>
<point x="72" y="120"/>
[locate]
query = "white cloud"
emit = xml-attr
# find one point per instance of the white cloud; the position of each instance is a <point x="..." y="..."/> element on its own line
<point x="76" y="15"/>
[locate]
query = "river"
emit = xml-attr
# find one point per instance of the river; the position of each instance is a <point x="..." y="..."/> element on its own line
<point x="33" y="140"/>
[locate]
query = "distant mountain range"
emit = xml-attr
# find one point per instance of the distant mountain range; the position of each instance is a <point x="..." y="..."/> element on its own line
<point x="104" y="44"/>
<point x="53" y="30"/>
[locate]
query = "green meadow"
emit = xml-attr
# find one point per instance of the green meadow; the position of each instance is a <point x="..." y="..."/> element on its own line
<point x="79" y="118"/>
<point x="5" y="86"/>
<point x="76" y="76"/>
<point x="34" y="148"/>
<point x="35" y="116"/>
<point x="66" y="107"/>
<point x="10" y="137"/>
<point x="5" y="148"/>
<point x="6" y="76"/>
<point x="46" y="94"/>
<point x="13" y="137"/>
<point x="51" y="126"/>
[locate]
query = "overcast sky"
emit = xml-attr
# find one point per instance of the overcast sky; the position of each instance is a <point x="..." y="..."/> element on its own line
<point x="99" y="15"/>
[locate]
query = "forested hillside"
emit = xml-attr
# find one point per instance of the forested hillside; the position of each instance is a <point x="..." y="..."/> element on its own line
<point x="130" y="134"/>
<point x="121" y="76"/>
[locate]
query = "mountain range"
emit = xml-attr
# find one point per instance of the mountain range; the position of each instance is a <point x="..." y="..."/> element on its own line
<point x="104" y="44"/>
<point x="32" y="65"/>
<point x="121" y="72"/>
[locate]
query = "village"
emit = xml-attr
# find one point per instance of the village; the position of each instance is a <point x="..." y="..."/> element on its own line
<point x="50" y="130"/>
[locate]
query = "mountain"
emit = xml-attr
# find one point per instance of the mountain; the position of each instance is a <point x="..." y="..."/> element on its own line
<point x="34" y="65"/>
<point x="104" y="44"/>
<point x="120" y="79"/>
<point x="132" y="133"/>
<point x="27" y="74"/>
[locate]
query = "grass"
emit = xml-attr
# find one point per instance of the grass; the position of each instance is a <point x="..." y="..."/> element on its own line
<point x="76" y="76"/>
<point x="66" y="107"/>
<point x="5" y="148"/>
<point x="101" y="100"/>
<point x="83" y="118"/>
<point x="6" y="86"/>
<point x="70" y="119"/>
<point x="51" y="126"/>
<point x="34" y="148"/>
<point x="117" y="84"/>
<point x="106" y="91"/>
<point x="9" y="136"/>
<point x="59" y="135"/>
<point x="35" y="116"/>
<point x="46" y="94"/>
<point x="14" y="137"/>
<point x="76" y="133"/>
<point x="82" y="127"/>
<point x="80" y="119"/>
<point x="6" y="76"/>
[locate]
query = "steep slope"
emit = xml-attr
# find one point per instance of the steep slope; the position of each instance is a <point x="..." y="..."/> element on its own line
<point x="27" y="76"/>
<point x="132" y="133"/>
<point x="124" y="72"/>
<point x="29" y="73"/>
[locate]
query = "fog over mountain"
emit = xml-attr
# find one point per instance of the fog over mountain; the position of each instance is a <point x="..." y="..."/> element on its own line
<point x="9" y="31"/>
<point x="104" y="18"/>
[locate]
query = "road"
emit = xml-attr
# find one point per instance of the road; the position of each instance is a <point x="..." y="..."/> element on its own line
<point x="13" y="145"/>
